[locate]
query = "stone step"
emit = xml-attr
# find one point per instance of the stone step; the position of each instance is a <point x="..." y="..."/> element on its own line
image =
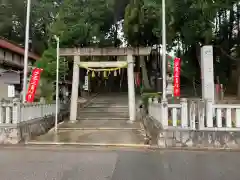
<point x="110" y="113"/>
<point x="107" y="106"/>
<point x="107" y="115"/>
<point x="101" y="124"/>
<point x="115" y="101"/>
<point x="99" y="114"/>
<point x="103" y="118"/>
<point x="103" y="110"/>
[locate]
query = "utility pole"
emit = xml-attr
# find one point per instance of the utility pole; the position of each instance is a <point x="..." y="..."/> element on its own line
<point x="26" y="51"/>
<point x="163" y="50"/>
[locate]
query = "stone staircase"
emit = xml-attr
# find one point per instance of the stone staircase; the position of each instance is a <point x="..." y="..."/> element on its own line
<point x="106" y="109"/>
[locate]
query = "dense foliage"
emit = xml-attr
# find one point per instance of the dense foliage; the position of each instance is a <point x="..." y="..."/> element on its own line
<point x="190" y="24"/>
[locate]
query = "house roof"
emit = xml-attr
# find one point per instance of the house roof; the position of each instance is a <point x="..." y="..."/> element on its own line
<point x="16" y="48"/>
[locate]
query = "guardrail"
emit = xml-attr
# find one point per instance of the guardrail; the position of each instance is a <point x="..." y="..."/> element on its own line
<point x="195" y="115"/>
<point x="222" y="117"/>
<point x="169" y="115"/>
<point x="15" y="112"/>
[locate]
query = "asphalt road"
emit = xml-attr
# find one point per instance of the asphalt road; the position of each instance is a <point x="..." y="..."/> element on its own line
<point x="106" y="164"/>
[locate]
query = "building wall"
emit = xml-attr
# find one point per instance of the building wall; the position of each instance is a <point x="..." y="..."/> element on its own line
<point x="13" y="59"/>
<point x="3" y="90"/>
<point x="10" y="61"/>
<point x="6" y="78"/>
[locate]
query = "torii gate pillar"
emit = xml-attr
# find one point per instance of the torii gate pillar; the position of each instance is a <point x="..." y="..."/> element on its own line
<point x="75" y="86"/>
<point x="131" y="89"/>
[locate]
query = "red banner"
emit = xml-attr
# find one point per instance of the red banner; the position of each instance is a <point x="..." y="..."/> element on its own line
<point x="137" y="79"/>
<point x="176" y="74"/>
<point x="33" y="84"/>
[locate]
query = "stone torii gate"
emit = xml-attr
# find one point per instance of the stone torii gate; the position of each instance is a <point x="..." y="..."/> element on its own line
<point x="129" y="52"/>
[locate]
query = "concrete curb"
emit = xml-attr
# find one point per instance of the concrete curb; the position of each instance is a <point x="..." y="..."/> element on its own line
<point x="96" y="128"/>
<point x="89" y="144"/>
<point x="58" y="147"/>
<point x="143" y="146"/>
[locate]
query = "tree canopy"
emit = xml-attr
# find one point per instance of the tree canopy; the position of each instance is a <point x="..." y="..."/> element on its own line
<point x="190" y="24"/>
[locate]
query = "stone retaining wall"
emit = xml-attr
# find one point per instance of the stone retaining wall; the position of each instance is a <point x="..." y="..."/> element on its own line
<point x="24" y="131"/>
<point x="177" y="138"/>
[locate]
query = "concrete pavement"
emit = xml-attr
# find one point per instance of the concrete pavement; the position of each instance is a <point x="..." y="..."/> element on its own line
<point x="125" y="164"/>
<point x="104" y="121"/>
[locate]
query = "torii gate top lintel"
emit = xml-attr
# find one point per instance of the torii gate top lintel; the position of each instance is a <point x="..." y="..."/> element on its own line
<point x="140" y="51"/>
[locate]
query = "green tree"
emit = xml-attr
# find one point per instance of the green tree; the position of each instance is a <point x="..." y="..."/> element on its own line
<point x="48" y="64"/>
<point x="141" y="28"/>
<point x="141" y="23"/>
<point x="190" y="24"/>
<point x="83" y="23"/>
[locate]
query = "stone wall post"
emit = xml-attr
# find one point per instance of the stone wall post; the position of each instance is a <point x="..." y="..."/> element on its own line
<point x="1" y="112"/>
<point x="184" y="112"/>
<point x="16" y="111"/>
<point x="164" y="113"/>
<point x="209" y="113"/>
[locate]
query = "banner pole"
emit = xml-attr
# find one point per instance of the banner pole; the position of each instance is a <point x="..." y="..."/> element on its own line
<point x="57" y="86"/>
